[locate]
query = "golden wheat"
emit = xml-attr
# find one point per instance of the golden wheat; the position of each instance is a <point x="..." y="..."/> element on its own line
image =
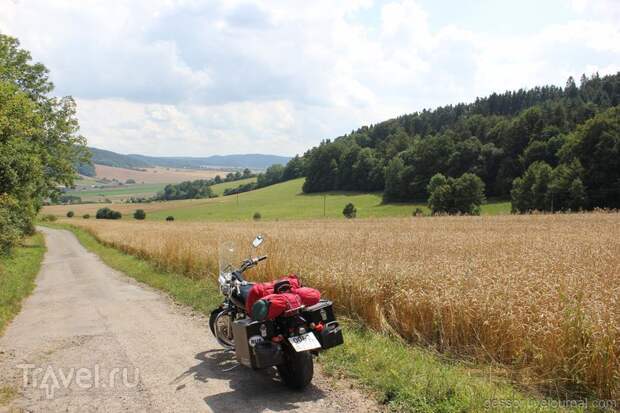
<point x="540" y="294"/>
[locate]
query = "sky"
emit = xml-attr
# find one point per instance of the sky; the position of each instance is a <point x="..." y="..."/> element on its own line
<point x="198" y="78"/>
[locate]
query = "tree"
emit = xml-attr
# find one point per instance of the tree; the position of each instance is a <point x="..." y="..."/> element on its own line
<point x="349" y="211"/>
<point x="596" y="144"/>
<point x="107" y="213"/>
<point x="139" y="214"/>
<point x="246" y="173"/>
<point x="393" y="179"/>
<point x="462" y="195"/>
<point x="39" y="141"/>
<point x="271" y="176"/>
<point x="294" y="168"/>
<point x="529" y="192"/>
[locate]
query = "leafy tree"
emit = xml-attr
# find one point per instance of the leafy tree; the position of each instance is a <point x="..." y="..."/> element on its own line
<point x="272" y="175"/>
<point x="349" y="211"/>
<point x="530" y="192"/>
<point x="39" y="141"/>
<point x="107" y="213"/>
<point x="293" y="169"/>
<point x="462" y="195"/>
<point x="596" y="144"/>
<point x="393" y="180"/>
<point x="139" y="214"/>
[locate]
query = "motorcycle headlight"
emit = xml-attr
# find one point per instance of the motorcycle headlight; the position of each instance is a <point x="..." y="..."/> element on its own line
<point x="224" y="289"/>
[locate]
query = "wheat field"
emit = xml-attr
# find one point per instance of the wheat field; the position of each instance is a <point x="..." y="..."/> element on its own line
<point x="539" y="294"/>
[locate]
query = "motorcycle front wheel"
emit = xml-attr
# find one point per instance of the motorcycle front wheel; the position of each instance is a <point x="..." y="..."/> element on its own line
<point x="220" y="324"/>
<point x="297" y="370"/>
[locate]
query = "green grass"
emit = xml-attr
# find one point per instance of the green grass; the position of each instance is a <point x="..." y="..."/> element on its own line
<point x="17" y="274"/>
<point x="218" y="189"/>
<point x="402" y="377"/>
<point x="287" y="201"/>
<point x="126" y="191"/>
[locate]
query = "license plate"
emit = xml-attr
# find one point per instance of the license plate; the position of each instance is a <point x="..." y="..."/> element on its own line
<point x="304" y="342"/>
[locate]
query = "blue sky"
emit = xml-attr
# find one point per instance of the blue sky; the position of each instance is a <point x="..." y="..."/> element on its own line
<point x="189" y="77"/>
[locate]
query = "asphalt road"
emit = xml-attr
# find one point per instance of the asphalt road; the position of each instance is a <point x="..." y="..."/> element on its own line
<point x="91" y="339"/>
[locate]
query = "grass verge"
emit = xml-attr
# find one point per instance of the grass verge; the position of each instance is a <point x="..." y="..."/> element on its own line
<point x="401" y="377"/>
<point x="18" y="271"/>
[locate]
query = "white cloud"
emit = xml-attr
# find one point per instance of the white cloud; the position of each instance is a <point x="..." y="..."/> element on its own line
<point x="188" y="77"/>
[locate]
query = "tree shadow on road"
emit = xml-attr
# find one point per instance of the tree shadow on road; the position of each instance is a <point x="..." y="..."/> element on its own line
<point x="250" y="390"/>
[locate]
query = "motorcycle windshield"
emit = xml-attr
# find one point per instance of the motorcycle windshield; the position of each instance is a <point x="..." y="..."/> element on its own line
<point x="228" y="257"/>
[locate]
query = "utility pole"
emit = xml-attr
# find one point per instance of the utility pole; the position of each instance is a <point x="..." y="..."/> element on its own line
<point x="237" y="199"/>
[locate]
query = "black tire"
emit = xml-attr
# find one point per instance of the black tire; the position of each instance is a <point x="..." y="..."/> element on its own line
<point x="297" y="370"/>
<point x="212" y="317"/>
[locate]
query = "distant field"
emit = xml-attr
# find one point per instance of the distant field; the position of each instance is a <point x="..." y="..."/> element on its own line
<point x="155" y="175"/>
<point x="281" y="201"/>
<point x="118" y="193"/>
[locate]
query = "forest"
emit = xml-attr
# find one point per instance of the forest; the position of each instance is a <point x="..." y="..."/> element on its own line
<point x="548" y="148"/>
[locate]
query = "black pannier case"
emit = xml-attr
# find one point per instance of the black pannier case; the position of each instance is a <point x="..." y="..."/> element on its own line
<point x="321" y="312"/>
<point x="253" y="347"/>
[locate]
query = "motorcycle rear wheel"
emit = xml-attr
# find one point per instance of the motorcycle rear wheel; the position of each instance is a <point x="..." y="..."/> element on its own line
<point x="297" y="370"/>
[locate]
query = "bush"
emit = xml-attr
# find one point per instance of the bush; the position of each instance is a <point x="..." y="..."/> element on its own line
<point x="139" y="214"/>
<point x="257" y="216"/>
<point x="462" y="195"/>
<point x="70" y="214"/>
<point x="130" y="181"/>
<point x="418" y="212"/>
<point x="48" y="218"/>
<point x="107" y="213"/>
<point x="349" y="211"/>
<point x="86" y="216"/>
<point x="169" y="218"/>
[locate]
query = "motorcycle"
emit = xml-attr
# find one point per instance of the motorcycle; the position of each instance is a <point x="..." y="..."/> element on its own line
<point x="287" y="342"/>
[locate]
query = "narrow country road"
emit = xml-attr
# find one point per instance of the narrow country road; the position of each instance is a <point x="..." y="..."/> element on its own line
<point x="92" y="339"/>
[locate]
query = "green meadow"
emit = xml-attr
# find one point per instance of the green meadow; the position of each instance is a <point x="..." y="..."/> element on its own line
<point x="287" y="201"/>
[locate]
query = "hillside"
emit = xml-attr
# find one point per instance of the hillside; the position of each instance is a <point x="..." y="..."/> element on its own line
<point x="564" y="142"/>
<point x="135" y="161"/>
<point x="280" y="201"/>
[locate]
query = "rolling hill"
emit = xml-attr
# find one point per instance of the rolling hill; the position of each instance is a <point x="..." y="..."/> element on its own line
<point x="136" y="161"/>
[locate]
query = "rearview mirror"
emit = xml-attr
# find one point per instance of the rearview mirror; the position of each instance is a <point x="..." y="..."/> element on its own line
<point x="257" y="241"/>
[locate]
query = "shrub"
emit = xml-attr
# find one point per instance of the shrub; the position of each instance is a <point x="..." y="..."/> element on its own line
<point x="86" y="216"/>
<point x="107" y="213"/>
<point x="70" y="214"/>
<point x="130" y="181"/>
<point x="169" y="218"/>
<point x="349" y="211"/>
<point x="48" y="218"/>
<point x="139" y="214"/>
<point x="257" y="216"/>
<point x="418" y="212"/>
